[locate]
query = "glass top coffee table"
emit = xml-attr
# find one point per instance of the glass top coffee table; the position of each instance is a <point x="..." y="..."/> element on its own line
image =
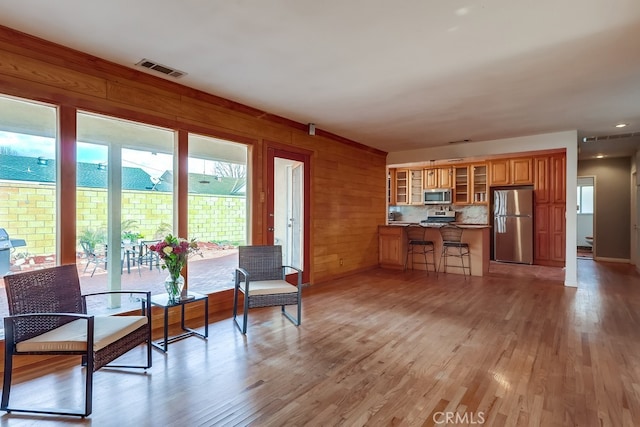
<point x="162" y="300"/>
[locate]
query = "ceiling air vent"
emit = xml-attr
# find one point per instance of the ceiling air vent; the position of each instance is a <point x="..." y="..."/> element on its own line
<point x="610" y="137"/>
<point x="161" y="68"/>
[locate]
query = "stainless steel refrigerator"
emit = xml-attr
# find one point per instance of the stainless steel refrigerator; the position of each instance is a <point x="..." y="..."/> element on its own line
<point x="513" y="225"/>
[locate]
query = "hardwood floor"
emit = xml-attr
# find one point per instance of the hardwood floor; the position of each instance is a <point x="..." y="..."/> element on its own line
<point x="392" y="348"/>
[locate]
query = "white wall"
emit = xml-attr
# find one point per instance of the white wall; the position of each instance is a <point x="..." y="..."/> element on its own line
<point x="636" y="218"/>
<point x="585" y="228"/>
<point x="567" y="140"/>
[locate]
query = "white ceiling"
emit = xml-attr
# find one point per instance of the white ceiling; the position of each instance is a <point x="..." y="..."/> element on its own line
<point x="391" y="74"/>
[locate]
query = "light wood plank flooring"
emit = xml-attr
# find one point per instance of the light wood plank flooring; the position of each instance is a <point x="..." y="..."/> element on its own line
<point x="392" y="348"/>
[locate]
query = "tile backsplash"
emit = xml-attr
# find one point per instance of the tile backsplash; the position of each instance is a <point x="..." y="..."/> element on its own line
<point x="471" y="214"/>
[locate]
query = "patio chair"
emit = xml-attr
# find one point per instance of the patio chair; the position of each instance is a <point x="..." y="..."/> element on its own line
<point x="98" y="257"/>
<point x="147" y="256"/>
<point x="260" y="277"/>
<point x="95" y="255"/>
<point x="48" y="316"/>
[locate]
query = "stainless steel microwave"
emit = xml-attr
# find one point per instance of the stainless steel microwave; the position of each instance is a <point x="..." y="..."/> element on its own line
<point x="437" y="196"/>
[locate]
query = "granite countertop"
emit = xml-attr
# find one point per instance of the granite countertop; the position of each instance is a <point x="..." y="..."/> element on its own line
<point x="459" y="224"/>
<point x="406" y="224"/>
<point x="462" y="225"/>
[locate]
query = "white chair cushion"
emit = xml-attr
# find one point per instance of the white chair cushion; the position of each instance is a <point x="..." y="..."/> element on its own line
<point x="73" y="335"/>
<point x="267" y="287"/>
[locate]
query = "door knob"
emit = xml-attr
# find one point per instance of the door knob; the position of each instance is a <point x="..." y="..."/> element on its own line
<point x="270" y="229"/>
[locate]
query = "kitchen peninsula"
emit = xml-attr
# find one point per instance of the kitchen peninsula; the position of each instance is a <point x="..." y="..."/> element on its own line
<point x="392" y="240"/>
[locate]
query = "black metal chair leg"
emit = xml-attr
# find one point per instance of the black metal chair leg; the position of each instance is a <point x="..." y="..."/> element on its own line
<point x="6" y="383"/>
<point x="464" y="271"/>
<point x="245" y="315"/>
<point x="88" y="395"/>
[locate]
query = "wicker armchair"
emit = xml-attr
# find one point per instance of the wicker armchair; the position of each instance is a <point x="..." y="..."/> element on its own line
<point x="260" y="276"/>
<point x="48" y="317"/>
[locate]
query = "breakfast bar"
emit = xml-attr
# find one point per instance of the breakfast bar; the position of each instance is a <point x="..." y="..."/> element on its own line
<point x="393" y="246"/>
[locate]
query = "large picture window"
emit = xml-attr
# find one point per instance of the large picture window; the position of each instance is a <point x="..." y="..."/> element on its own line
<point x="27" y="185"/>
<point x="124" y="200"/>
<point x="217" y="210"/>
<point x="124" y="203"/>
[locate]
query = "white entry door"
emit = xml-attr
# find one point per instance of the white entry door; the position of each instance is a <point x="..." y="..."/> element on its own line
<point x="288" y="210"/>
<point x="288" y="206"/>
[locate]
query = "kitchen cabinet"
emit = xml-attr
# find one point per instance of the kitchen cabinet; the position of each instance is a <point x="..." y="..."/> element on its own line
<point x="415" y="185"/>
<point x="521" y="171"/>
<point x="461" y="185"/>
<point x="438" y="178"/>
<point x="431" y="178"/>
<point x="470" y="184"/>
<point x="401" y="186"/>
<point x="557" y="227"/>
<point x="479" y="183"/>
<point x="392" y="245"/>
<point x="499" y="170"/>
<point x="558" y="180"/>
<point x="541" y="246"/>
<point x="391" y="187"/>
<point x="405" y="186"/>
<point x="517" y="171"/>
<point x="549" y="230"/>
<point x="541" y="184"/>
<point x="549" y="189"/>
<point x="446" y="177"/>
<point x="550" y="183"/>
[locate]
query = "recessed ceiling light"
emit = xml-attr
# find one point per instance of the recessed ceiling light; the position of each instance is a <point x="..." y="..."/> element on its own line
<point x="600" y="156"/>
<point x="621" y="125"/>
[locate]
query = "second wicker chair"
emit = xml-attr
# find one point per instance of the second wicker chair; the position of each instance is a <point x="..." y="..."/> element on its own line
<point x="260" y="277"/>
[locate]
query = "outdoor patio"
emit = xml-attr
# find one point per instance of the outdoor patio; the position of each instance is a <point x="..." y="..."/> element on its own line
<point x="213" y="272"/>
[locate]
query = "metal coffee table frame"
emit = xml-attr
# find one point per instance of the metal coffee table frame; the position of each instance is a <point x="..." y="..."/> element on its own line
<point x="162" y="300"/>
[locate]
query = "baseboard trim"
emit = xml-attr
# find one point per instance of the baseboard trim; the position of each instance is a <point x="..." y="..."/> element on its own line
<point x="606" y="259"/>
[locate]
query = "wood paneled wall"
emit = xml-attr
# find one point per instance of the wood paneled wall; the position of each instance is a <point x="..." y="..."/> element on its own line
<point x="348" y="179"/>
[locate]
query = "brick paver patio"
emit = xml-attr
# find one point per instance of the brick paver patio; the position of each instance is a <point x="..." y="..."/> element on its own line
<point x="214" y="272"/>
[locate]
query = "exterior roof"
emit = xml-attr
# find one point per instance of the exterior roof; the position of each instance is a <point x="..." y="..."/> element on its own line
<point x="41" y="170"/>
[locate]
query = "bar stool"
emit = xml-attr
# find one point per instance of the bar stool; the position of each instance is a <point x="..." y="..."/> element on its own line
<point x="418" y="244"/>
<point x="452" y="246"/>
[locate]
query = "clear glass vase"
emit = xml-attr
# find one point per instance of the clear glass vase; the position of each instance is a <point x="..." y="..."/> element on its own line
<point x="174" y="287"/>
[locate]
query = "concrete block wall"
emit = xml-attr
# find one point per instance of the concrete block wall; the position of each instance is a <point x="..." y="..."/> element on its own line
<point x="28" y="211"/>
